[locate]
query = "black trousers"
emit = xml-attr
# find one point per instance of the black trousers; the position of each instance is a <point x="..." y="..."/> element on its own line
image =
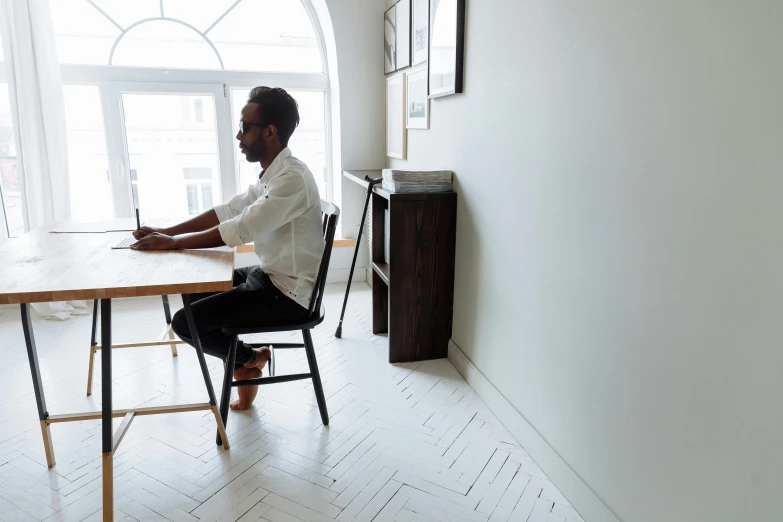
<point x="254" y="301"/>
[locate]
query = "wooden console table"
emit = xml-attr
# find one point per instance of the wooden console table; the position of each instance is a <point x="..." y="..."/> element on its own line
<point x="413" y="295"/>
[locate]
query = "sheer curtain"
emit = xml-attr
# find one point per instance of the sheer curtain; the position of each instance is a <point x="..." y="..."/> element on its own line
<point x="35" y="88"/>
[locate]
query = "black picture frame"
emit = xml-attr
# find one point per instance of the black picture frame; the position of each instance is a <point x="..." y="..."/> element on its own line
<point x="390" y="40"/>
<point x="455" y="59"/>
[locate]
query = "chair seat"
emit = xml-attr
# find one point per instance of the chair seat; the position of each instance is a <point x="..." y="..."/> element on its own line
<point x="305" y="324"/>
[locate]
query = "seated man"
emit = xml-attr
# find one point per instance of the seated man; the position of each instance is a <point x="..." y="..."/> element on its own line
<point x="281" y="215"/>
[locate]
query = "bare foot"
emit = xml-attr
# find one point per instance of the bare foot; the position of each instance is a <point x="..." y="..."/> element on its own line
<point x="250" y="370"/>
<point x="247" y="394"/>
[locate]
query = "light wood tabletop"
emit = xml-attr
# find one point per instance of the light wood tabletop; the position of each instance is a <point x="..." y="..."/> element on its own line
<point x="44" y="267"/>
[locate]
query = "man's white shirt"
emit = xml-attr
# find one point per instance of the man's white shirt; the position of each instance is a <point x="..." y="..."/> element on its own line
<point x="281" y="215"/>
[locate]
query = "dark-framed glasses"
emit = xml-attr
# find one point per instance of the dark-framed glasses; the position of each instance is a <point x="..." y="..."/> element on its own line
<point x="244" y="126"/>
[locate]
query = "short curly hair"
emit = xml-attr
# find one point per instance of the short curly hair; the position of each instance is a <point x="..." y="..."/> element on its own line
<point x="277" y="108"/>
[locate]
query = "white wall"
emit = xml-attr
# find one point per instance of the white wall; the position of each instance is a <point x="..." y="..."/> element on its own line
<point x="362" y="117"/>
<point x="620" y="171"/>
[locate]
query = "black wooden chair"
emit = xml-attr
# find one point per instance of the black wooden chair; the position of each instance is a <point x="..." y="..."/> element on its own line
<point x="330" y="215"/>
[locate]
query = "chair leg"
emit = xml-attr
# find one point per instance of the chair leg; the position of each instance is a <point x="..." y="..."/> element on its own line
<point x="319" y="390"/>
<point x="93" y="343"/>
<point x="228" y="377"/>
<point x="167" y="312"/>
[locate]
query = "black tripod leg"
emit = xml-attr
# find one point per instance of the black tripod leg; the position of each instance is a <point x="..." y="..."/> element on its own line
<point x="339" y="332"/>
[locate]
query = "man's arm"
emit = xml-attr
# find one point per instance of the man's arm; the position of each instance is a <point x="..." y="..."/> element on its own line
<point x="285" y="201"/>
<point x="200" y="223"/>
<point x="203" y="239"/>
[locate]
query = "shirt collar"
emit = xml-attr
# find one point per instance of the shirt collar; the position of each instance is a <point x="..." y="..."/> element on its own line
<point x="276" y="167"/>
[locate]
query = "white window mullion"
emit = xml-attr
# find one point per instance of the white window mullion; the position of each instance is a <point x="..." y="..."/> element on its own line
<point x="119" y="168"/>
<point x="228" y="171"/>
<point x="96" y="73"/>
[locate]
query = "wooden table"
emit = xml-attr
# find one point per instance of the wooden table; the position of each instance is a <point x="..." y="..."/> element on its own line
<point x="45" y="267"/>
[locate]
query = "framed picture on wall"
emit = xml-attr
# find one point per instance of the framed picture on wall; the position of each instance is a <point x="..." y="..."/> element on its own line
<point x="396" y="134"/>
<point x="421" y="30"/>
<point x="416" y="101"/>
<point x="390" y="40"/>
<point x="403" y="34"/>
<point x="447" y="47"/>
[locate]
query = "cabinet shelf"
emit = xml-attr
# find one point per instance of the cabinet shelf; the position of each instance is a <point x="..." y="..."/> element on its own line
<point x="382" y="269"/>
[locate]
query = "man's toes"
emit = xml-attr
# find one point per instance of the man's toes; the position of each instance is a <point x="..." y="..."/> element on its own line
<point x="239" y="405"/>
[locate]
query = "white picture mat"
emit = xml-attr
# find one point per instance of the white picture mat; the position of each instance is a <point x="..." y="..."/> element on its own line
<point x="390" y="40"/>
<point x="443" y="47"/>
<point x="420" y="31"/>
<point x="396" y="135"/>
<point x="417" y="102"/>
<point x="403" y="34"/>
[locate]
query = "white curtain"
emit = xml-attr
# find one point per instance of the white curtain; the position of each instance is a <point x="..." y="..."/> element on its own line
<point x="36" y="94"/>
<point x="35" y="87"/>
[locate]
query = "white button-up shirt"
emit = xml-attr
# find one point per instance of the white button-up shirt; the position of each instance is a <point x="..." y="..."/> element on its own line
<point x="281" y="215"/>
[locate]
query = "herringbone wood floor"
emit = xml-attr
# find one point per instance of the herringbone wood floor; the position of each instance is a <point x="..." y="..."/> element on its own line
<point x="406" y="442"/>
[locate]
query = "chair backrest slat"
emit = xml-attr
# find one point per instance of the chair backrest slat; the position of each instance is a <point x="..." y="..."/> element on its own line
<point x="330" y="216"/>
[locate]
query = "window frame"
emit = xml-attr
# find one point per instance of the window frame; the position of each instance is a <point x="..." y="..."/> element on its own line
<point x="112" y="80"/>
<point x="177" y="79"/>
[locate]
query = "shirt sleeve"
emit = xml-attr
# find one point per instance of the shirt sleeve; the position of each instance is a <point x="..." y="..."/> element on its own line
<point x="285" y="201"/>
<point x="233" y="208"/>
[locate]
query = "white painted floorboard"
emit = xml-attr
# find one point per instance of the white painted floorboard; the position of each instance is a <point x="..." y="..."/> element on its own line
<point x="406" y="442"/>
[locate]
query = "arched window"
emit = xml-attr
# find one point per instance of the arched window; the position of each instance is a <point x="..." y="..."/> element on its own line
<point x="153" y="92"/>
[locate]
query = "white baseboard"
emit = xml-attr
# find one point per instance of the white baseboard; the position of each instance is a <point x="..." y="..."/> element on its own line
<point x="340" y="275"/>
<point x="579" y="494"/>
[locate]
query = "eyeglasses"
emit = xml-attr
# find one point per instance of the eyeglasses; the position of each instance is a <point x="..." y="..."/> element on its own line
<point x="243" y="125"/>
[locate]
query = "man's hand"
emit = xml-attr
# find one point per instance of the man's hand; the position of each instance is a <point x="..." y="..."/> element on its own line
<point x="156" y="241"/>
<point x="146" y="231"/>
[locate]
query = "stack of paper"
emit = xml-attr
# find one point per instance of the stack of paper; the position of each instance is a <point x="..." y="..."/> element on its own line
<point x="417" y="181"/>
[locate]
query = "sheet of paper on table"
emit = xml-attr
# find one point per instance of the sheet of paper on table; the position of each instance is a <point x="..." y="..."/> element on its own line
<point x="96" y="227"/>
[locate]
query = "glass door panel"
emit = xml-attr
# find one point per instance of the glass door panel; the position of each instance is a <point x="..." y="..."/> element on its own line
<point x="308" y="142"/>
<point x="174" y="138"/>
<point x="169" y="138"/>
<point x="89" y="179"/>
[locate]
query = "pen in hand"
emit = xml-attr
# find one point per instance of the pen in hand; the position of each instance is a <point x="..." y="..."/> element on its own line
<point x="138" y="222"/>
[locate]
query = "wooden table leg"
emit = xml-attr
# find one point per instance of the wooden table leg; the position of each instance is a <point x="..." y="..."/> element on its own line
<point x="107" y="432"/>
<point x="108" y="487"/>
<point x="35" y="371"/>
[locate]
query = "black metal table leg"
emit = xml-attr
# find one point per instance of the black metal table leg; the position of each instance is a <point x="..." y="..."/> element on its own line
<point x="166" y="309"/>
<point x="93" y="345"/>
<point x="35" y="371"/>
<point x="93" y="340"/>
<point x="204" y="370"/>
<point x="107" y="431"/>
<point x="167" y="313"/>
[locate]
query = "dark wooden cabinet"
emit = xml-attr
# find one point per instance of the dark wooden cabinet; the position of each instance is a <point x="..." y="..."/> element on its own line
<point x="413" y="295"/>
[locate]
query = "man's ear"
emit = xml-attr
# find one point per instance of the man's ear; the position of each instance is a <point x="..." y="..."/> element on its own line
<point x="271" y="133"/>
